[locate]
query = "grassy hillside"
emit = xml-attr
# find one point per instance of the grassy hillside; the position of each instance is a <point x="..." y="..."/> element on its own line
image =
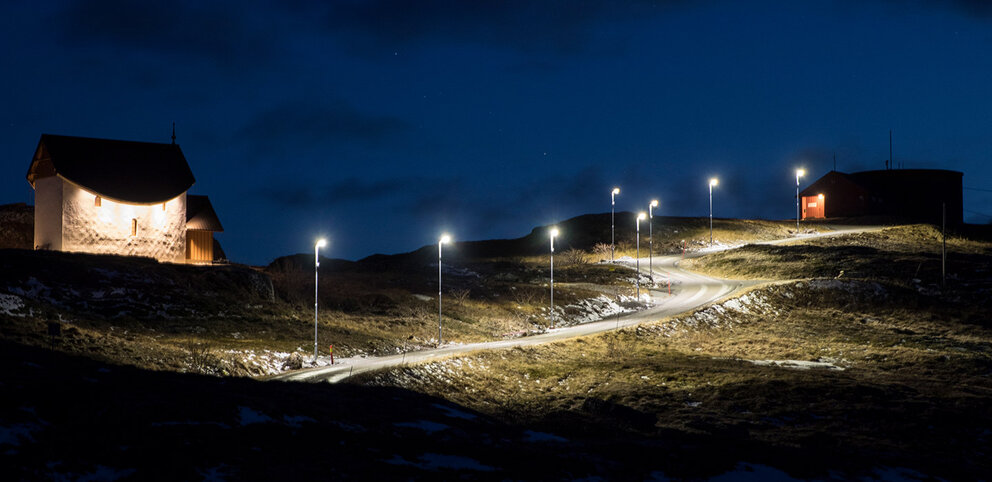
<point x="16" y="226"/>
<point x="238" y="320"/>
<point x="905" y="254"/>
<point x="870" y="374"/>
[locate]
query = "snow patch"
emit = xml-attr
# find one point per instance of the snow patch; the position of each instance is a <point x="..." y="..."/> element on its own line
<point x="11" y="304"/>
<point x="722" y="315"/>
<point x="594" y="309"/>
<point x="454" y="412"/>
<point x="754" y="472"/>
<point x="533" y="436"/>
<point x="265" y="362"/>
<point x="296" y="420"/>
<point x="247" y="416"/>
<point x="188" y="422"/>
<point x="104" y="473"/>
<point x="798" y="364"/>
<point x="15" y="434"/>
<point x="432" y="461"/>
<point x="425" y="425"/>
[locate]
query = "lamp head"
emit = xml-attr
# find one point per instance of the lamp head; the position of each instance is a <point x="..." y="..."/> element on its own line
<point x="800" y="172"/>
<point x="445" y="239"/>
<point x="616" y="190"/>
<point x="554" y="232"/>
<point x="820" y="196"/>
<point x="642" y="215"/>
<point x="321" y="243"/>
<point x="654" y="203"/>
<point x="714" y="181"/>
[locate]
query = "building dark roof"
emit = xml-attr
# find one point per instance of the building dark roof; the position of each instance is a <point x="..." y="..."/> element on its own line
<point x="136" y="172"/>
<point x="928" y="195"/>
<point x="200" y="214"/>
<point x="889" y="181"/>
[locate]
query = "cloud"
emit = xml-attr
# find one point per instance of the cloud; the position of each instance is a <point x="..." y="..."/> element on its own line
<point x="211" y="30"/>
<point x="302" y="123"/>
<point x="563" y="27"/>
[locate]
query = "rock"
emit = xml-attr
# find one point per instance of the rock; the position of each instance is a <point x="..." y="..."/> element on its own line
<point x="294" y="362"/>
<point x="261" y="286"/>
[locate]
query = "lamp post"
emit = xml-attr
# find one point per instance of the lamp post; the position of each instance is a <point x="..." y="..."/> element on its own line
<point x="613" y="212"/>
<point x="799" y="173"/>
<point x="713" y="182"/>
<point x="637" y="279"/>
<point x="316" y="264"/>
<point x="444" y="239"/>
<point x="553" y="233"/>
<point x="654" y="204"/>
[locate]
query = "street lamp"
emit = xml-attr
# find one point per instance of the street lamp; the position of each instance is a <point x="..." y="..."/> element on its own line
<point x="316" y="264"/>
<point x="654" y="204"/>
<point x="553" y="233"/>
<point x="713" y="182"/>
<point x="637" y="279"/>
<point x="799" y="173"/>
<point x="444" y="239"/>
<point x="613" y="212"/>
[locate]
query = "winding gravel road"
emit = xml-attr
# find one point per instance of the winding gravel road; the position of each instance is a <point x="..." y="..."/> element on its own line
<point x="689" y="291"/>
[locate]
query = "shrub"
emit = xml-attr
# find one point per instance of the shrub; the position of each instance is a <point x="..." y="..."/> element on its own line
<point x="460" y="295"/>
<point x="199" y="354"/>
<point x="601" y="250"/>
<point x="525" y="296"/>
<point x="572" y="257"/>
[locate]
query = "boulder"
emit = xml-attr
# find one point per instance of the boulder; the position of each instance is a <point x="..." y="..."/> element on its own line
<point x="294" y="362"/>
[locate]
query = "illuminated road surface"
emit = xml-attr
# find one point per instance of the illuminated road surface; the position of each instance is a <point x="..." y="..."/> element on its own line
<point x="689" y="291"/>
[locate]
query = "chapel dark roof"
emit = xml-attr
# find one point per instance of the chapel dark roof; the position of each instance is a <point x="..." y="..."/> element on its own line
<point x="200" y="214"/>
<point x="137" y="172"/>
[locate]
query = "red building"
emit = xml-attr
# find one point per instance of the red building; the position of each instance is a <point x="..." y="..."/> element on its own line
<point x="906" y="194"/>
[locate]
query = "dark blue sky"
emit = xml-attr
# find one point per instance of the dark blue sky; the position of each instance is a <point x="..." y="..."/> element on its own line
<point x="381" y="123"/>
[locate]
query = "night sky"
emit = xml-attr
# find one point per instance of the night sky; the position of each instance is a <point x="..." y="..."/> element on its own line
<point x="382" y="123"/>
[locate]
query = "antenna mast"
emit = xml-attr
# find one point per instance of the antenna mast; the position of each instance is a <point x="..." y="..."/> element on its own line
<point x="173" y="133"/>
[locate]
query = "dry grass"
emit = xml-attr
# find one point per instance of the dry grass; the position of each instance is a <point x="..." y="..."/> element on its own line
<point x="913" y="392"/>
<point x="901" y="254"/>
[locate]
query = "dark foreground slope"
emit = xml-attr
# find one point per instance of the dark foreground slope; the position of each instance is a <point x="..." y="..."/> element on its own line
<point x="64" y="417"/>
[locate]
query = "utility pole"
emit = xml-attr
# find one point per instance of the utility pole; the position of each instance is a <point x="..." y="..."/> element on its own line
<point x="943" y="244"/>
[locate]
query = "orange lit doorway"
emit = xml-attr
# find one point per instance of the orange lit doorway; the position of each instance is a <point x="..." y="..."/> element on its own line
<point x="814" y="207"/>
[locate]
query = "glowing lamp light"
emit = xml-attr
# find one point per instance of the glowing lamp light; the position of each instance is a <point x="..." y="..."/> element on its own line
<point x="616" y="191"/>
<point x="445" y="239"/>
<point x="713" y="182"/>
<point x="642" y="216"/>
<point x="553" y="233"/>
<point x="654" y="203"/>
<point x="316" y="279"/>
<point x="820" y="196"/>
<point x="799" y="173"/>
